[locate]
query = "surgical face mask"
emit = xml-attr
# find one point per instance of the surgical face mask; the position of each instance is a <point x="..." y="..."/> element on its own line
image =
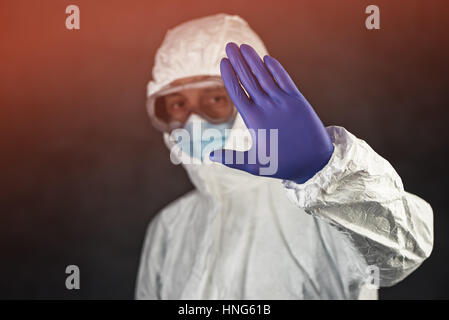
<point x="199" y="137"/>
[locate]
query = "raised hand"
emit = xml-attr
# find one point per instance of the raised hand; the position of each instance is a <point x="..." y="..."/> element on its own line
<point x="274" y="102"/>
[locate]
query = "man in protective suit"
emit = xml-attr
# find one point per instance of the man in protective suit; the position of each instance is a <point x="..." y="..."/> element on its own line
<point x="330" y="221"/>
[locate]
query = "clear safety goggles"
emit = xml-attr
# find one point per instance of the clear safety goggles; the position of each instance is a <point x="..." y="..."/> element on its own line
<point x="170" y="107"/>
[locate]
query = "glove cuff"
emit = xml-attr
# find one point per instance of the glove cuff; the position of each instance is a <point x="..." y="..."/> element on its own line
<point x="325" y="180"/>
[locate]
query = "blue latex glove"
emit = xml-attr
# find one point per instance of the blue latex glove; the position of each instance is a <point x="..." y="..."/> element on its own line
<point x="274" y="102"/>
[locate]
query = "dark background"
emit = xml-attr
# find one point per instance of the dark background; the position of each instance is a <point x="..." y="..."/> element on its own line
<point x="82" y="171"/>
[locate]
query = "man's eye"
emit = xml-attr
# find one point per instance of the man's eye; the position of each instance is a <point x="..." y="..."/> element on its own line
<point x="217" y="99"/>
<point x="178" y="105"/>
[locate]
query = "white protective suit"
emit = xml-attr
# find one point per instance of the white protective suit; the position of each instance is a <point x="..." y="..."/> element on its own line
<point x="239" y="236"/>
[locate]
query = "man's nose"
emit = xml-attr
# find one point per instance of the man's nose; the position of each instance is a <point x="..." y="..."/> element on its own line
<point x="194" y="107"/>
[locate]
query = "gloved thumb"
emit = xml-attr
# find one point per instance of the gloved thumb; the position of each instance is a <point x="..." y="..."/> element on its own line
<point x="233" y="159"/>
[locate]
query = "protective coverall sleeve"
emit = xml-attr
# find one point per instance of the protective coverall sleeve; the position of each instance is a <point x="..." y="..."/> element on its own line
<point x="153" y="252"/>
<point x="360" y="194"/>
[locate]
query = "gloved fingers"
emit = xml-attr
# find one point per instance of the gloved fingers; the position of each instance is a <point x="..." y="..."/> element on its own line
<point x="235" y="90"/>
<point x="260" y="71"/>
<point x="244" y="73"/>
<point x="281" y="76"/>
<point x="234" y="159"/>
